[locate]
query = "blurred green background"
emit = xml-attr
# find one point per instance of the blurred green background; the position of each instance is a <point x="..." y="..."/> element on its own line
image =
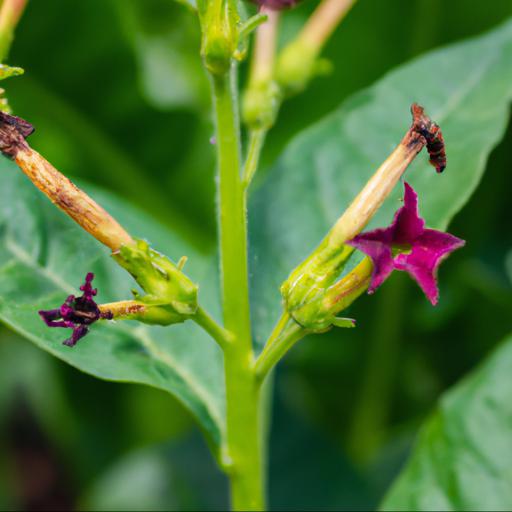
<point x="118" y="97"/>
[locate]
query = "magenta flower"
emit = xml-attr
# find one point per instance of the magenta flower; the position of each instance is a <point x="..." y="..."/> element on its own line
<point x="77" y="313"/>
<point x="408" y="246"/>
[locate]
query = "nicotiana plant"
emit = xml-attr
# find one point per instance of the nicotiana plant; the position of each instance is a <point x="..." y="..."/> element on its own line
<point x="345" y="264"/>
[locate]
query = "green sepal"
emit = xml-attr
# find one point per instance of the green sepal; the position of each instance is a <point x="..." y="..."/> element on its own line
<point x="171" y="295"/>
<point x="348" y="323"/>
<point x="8" y="71"/>
<point x="312" y="296"/>
<point x="311" y="278"/>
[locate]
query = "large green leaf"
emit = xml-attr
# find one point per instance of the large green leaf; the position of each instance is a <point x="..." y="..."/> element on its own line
<point x="44" y="257"/>
<point x="463" y="457"/>
<point x="466" y="88"/>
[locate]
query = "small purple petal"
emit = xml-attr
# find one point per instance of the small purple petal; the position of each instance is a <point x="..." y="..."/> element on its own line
<point x="87" y="288"/>
<point x="78" y="333"/>
<point x="377" y="245"/>
<point x="407" y="224"/>
<point x="427" y="280"/>
<point x="50" y="316"/>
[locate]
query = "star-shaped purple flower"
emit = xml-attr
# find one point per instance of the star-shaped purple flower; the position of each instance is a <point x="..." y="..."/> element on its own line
<point x="408" y="246"/>
<point x="77" y="313"/>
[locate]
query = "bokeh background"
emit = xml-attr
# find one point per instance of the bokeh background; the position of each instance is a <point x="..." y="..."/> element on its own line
<point x="116" y="91"/>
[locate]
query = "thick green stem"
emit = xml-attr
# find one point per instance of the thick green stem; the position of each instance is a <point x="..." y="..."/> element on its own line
<point x="243" y="451"/>
<point x="233" y="236"/>
<point x="244" y="432"/>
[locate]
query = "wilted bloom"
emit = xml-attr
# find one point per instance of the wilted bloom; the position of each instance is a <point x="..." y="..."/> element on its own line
<point x="77" y="313"/>
<point x="61" y="191"/>
<point x="408" y="246"/>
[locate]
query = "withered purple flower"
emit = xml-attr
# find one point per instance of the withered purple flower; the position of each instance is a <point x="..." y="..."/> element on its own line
<point x="77" y="313"/>
<point x="408" y="246"/>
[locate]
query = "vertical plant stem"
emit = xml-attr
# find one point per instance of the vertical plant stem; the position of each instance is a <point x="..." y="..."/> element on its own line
<point x="232" y="211"/>
<point x="243" y="425"/>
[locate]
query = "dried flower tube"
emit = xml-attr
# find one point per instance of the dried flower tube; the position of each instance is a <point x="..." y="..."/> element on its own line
<point x="59" y="189"/>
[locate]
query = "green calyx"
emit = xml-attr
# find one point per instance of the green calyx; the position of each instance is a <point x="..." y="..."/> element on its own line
<point x="297" y="65"/>
<point x="171" y="297"/>
<point x="313" y="297"/>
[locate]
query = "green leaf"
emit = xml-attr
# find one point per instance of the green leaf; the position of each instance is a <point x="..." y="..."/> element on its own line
<point x="466" y="88"/>
<point x="463" y="457"/>
<point x="44" y="257"/>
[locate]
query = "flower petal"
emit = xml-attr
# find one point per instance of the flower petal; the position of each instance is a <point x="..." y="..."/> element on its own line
<point x="407" y="224"/>
<point x="377" y="245"/>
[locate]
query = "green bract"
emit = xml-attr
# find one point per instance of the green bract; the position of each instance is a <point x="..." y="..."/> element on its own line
<point x="164" y="283"/>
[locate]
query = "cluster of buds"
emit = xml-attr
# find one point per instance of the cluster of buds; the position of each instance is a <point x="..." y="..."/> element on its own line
<point x="314" y="294"/>
<point x="170" y="296"/>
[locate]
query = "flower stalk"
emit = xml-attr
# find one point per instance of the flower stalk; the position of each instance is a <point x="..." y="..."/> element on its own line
<point x="299" y="61"/>
<point x="10" y="14"/>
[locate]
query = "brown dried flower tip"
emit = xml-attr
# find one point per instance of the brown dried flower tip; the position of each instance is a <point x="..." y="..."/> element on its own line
<point x="13" y="132"/>
<point x="433" y="136"/>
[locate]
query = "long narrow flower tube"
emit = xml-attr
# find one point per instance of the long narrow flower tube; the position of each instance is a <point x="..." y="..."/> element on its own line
<point x="59" y="189"/>
<point x="262" y="96"/>
<point x="298" y="62"/>
<point x="10" y="14"/>
<point x="308" y="283"/>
